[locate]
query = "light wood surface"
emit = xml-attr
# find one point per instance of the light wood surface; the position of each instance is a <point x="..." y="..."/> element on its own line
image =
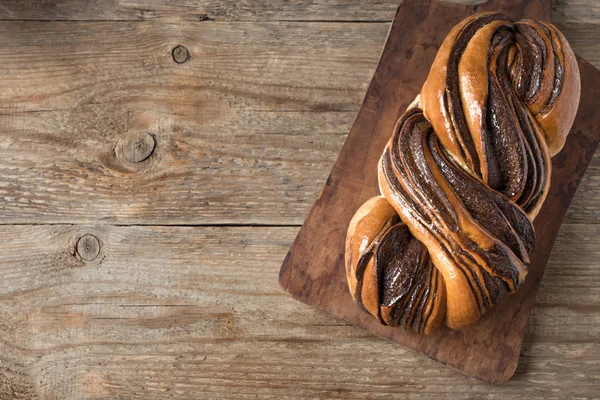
<point x="247" y="131"/>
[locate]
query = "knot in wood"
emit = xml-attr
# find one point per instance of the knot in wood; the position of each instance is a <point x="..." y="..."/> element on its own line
<point x="138" y="147"/>
<point x="181" y="54"/>
<point x="88" y="247"/>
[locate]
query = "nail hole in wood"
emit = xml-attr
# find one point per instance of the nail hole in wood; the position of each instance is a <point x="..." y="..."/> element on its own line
<point x="138" y="147"/>
<point x="181" y="54"/>
<point x="88" y="247"/>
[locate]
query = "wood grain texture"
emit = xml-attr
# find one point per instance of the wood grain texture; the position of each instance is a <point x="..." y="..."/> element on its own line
<point x="225" y="131"/>
<point x="564" y="11"/>
<point x="315" y="274"/>
<point x="199" y="10"/>
<point x="151" y="319"/>
<point x="196" y="312"/>
<point x="579" y="11"/>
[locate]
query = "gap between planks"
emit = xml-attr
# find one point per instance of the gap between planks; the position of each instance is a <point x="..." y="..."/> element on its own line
<point x="163" y="21"/>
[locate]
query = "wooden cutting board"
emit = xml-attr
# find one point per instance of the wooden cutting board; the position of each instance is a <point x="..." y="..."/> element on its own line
<point x="313" y="271"/>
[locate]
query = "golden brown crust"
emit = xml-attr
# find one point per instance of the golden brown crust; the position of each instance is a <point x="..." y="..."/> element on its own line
<point x="453" y="222"/>
<point x="389" y="272"/>
<point x="485" y="124"/>
<point x="556" y="120"/>
<point x="464" y="174"/>
<point x="366" y="225"/>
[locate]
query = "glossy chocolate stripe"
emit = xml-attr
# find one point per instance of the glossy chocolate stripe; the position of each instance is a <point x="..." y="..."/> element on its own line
<point x="415" y="149"/>
<point x="537" y="163"/>
<point x="436" y="229"/>
<point x="501" y="267"/>
<point x="543" y="96"/>
<point x="488" y="207"/>
<point x="366" y="257"/>
<point x="407" y="202"/>
<point x="432" y="296"/>
<point x="497" y="266"/>
<point x="405" y="150"/>
<point x="534" y="181"/>
<point x="416" y="318"/>
<point x="559" y="69"/>
<point x="533" y="54"/>
<point x="398" y="247"/>
<point x="394" y="247"/>
<point x="407" y="153"/>
<point x="506" y="141"/>
<point x="461" y="129"/>
<point x="558" y="82"/>
<point x="402" y="263"/>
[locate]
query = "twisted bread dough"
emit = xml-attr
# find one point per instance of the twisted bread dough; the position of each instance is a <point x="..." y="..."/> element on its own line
<point x="464" y="175"/>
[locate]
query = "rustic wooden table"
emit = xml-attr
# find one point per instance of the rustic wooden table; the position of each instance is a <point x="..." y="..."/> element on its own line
<point x="149" y="192"/>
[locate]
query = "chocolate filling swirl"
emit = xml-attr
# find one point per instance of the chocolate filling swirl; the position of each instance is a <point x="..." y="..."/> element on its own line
<point x="464" y="175"/>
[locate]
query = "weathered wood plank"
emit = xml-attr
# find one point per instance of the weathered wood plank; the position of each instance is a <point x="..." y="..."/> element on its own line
<point x="259" y="172"/>
<point x="246" y="130"/>
<point x="200" y="10"/>
<point x="270" y="66"/>
<point x="196" y="312"/>
<point x="204" y="10"/>
<point x="580" y="11"/>
<point x="236" y="139"/>
<point x="576" y="12"/>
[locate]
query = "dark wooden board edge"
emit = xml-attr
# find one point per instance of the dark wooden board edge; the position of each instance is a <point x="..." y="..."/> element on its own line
<point x="313" y="270"/>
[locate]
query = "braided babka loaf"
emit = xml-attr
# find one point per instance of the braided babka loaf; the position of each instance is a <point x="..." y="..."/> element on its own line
<point x="464" y="175"/>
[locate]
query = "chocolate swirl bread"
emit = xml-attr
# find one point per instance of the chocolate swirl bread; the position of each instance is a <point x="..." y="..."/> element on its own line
<point x="464" y="175"/>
